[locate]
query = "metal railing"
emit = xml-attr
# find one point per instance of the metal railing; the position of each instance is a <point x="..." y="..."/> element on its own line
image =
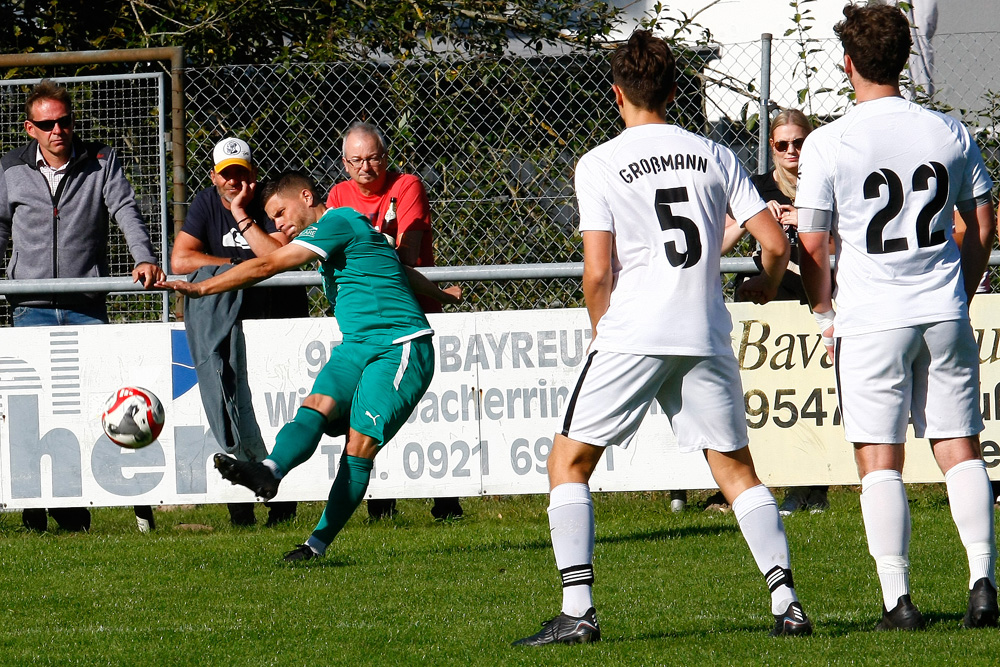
<point x="496" y="140"/>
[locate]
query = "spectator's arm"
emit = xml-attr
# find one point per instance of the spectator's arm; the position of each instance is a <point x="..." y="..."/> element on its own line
<point x="6" y="214"/>
<point x="189" y="255"/>
<point x="408" y="246"/>
<point x="261" y="243"/>
<point x="774" y="253"/>
<point x="413" y="220"/>
<point x="425" y="287"/>
<point x="119" y="199"/>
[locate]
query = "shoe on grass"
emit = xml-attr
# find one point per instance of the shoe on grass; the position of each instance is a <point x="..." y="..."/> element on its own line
<point x="793" y="623"/>
<point x="982" y="611"/>
<point x="565" y="629"/>
<point x="678" y="500"/>
<point x="299" y="553"/>
<point x="904" y="616"/>
<point x="794" y="501"/>
<point x="255" y="476"/>
<point x="817" y="501"/>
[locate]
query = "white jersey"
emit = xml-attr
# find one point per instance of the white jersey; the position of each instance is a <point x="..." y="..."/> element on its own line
<point x="663" y="193"/>
<point x="891" y="172"/>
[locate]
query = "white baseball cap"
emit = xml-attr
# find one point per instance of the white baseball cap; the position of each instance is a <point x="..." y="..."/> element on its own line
<point x="231" y="151"/>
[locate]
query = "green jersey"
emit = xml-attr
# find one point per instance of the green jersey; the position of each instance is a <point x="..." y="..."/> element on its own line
<point x="363" y="279"/>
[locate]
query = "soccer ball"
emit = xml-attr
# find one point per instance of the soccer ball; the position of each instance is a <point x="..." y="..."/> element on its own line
<point x="132" y="417"/>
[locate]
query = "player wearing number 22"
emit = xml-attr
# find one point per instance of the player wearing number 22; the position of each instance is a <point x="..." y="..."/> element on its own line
<point x="653" y="207"/>
<point x="885" y="179"/>
<point x="373" y="379"/>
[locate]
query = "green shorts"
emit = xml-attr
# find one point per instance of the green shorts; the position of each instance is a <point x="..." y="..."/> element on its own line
<point x="376" y="387"/>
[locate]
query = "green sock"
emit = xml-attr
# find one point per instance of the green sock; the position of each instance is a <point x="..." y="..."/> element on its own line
<point x="298" y="439"/>
<point x="346" y="494"/>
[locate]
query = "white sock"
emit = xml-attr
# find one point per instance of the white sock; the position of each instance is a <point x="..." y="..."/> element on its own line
<point x="318" y="547"/>
<point x="571" y="524"/>
<point x="886" y="514"/>
<point x="757" y="513"/>
<point x="273" y="467"/>
<point x="971" y="500"/>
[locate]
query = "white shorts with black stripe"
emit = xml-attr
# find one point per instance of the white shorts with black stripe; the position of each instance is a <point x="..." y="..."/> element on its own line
<point x="929" y="372"/>
<point x="702" y="397"/>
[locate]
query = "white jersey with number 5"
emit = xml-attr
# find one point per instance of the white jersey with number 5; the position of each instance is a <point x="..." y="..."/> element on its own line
<point x="891" y="172"/>
<point x="663" y="193"/>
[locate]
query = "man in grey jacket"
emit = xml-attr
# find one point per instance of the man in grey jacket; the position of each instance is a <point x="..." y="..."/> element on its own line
<point x="57" y="195"/>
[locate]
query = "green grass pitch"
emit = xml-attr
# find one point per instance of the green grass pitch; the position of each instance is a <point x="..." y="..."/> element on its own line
<point x="672" y="589"/>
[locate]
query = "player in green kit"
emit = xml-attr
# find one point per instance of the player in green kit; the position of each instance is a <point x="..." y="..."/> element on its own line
<point x="373" y="380"/>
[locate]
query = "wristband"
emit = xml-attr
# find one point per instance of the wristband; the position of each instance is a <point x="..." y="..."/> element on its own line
<point x="249" y="224"/>
<point x="825" y="322"/>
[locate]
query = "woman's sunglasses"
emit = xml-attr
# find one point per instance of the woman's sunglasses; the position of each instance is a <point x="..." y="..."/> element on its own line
<point x="782" y="146"/>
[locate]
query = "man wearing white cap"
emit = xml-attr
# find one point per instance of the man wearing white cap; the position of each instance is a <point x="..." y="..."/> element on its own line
<point x="211" y="235"/>
<point x="226" y="225"/>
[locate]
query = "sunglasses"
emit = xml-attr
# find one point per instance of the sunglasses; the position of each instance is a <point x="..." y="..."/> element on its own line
<point x="782" y="146"/>
<point x="48" y="125"/>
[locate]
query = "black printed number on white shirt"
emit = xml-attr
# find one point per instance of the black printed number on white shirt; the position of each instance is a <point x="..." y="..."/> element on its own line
<point x="670" y="220"/>
<point x="921" y="182"/>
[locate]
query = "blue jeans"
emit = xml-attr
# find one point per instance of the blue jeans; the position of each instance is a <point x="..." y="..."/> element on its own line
<point x="33" y="316"/>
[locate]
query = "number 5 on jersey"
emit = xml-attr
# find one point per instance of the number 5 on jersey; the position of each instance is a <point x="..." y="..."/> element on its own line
<point x="669" y="220"/>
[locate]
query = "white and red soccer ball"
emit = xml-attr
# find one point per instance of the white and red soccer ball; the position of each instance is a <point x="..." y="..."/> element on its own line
<point x="132" y="417"/>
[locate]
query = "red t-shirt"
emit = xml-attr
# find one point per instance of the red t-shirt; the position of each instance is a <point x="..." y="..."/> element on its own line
<point x="413" y="213"/>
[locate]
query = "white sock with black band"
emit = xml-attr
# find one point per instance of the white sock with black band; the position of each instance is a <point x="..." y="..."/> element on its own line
<point x="571" y="525"/>
<point x="757" y="513"/>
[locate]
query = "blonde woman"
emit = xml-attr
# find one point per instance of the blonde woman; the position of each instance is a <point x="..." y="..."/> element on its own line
<point x="789" y="130"/>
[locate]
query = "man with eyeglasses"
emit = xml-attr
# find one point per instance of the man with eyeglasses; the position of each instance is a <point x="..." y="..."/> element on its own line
<point x="371" y="190"/>
<point x="57" y="194"/>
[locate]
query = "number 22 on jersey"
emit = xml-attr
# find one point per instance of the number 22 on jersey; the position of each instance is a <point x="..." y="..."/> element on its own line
<point x="920" y="182"/>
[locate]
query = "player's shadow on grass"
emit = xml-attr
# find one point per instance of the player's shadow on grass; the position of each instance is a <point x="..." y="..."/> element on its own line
<point x="945" y="619"/>
<point x="320" y="563"/>
<point x="660" y="534"/>
<point x="833" y="626"/>
<point x="665" y="534"/>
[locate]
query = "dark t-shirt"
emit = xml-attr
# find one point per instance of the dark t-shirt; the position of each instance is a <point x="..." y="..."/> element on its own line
<point x="768" y="188"/>
<point x="212" y="224"/>
<point x="791" y="284"/>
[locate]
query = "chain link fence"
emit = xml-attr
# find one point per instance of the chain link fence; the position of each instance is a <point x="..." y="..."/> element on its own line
<point x="128" y="113"/>
<point x="495" y="140"/>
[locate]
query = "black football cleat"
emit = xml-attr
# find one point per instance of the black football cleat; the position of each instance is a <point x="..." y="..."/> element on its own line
<point x="904" y="616"/>
<point x="564" y="629"/>
<point x="793" y="623"/>
<point x="255" y="476"/>
<point x="982" y="611"/>
<point x="300" y="553"/>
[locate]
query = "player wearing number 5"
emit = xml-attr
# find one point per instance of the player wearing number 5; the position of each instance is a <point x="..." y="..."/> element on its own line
<point x="373" y="379"/>
<point x="653" y="206"/>
<point x="885" y="179"/>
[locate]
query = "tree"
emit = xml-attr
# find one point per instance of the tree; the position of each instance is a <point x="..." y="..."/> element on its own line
<point x="268" y="31"/>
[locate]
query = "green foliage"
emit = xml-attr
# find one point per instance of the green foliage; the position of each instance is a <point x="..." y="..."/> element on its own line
<point x="802" y="21"/>
<point x="671" y="589"/>
<point x="271" y="31"/>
